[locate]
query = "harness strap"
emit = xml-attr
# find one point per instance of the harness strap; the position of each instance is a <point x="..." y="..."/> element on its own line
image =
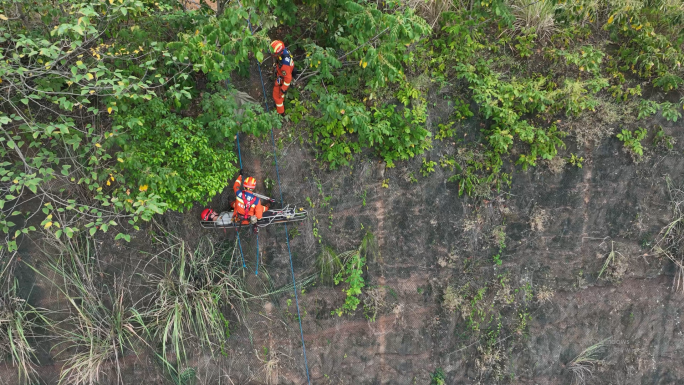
<point x="248" y="205"/>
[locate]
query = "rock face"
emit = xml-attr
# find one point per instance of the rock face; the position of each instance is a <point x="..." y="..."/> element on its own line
<point x="540" y="307"/>
<point x="504" y="289"/>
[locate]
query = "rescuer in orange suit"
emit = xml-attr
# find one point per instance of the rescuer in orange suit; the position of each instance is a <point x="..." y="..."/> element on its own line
<point x="284" y="65"/>
<point x="247" y="207"/>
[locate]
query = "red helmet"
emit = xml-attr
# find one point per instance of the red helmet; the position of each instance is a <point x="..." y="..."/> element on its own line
<point x="277" y="47"/>
<point x="250" y="183"/>
<point x="206" y="214"/>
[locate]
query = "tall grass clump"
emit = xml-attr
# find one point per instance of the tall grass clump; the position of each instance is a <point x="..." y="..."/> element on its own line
<point x="536" y="15"/>
<point x="581" y="366"/>
<point x="670" y="240"/>
<point x="101" y="324"/>
<point x="19" y="323"/>
<point x="328" y="264"/>
<point x="193" y="294"/>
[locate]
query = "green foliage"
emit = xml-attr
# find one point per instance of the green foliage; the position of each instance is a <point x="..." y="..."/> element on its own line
<point x="190" y="297"/>
<point x="668" y="81"/>
<point x="577" y="96"/>
<point x="586" y="58"/>
<point x="438" y="377"/>
<point x="648" y="42"/>
<point x="670" y="111"/>
<point x="621" y="95"/>
<point x="346" y="126"/>
<point x="186" y="166"/>
<point x="445" y="131"/>
<point x="461" y="110"/>
<point x="428" y="167"/>
<point x="505" y="103"/>
<point x="447" y="162"/>
<point x="575" y="160"/>
<point x="75" y="66"/>
<point x="663" y="140"/>
<point x="351" y="273"/>
<point x="647" y="108"/>
<point x="473" y="174"/>
<point x="525" y="45"/>
<point x="632" y="141"/>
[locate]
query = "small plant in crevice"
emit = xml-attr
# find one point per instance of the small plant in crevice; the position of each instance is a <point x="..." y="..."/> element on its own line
<point x="663" y="141"/>
<point x="614" y="266"/>
<point x="581" y="366"/>
<point x="446" y="131"/>
<point x="499" y="237"/>
<point x="351" y="273"/>
<point x="438" y="377"/>
<point x="576" y="160"/>
<point x="632" y="142"/>
<point x="452" y="299"/>
<point x="544" y="294"/>
<point x="428" y="167"/>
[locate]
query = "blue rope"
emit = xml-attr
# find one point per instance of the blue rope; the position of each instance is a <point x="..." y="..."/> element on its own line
<point x="257" y="265"/>
<point x="287" y="236"/>
<point x="237" y="231"/>
<point x="240" y="243"/>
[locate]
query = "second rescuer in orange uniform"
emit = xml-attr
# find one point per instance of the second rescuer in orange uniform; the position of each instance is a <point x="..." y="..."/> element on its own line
<point x="247" y="207"/>
<point x="284" y="65"/>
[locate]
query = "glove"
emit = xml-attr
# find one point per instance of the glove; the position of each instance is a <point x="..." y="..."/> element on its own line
<point x="253" y="219"/>
<point x="240" y="172"/>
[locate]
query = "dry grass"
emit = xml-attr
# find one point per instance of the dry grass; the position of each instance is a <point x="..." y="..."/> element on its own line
<point x="19" y="322"/>
<point x="539" y="219"/>
<point x="556" y="165"/>
<point x="192" y="293"/>
<point x="491" y="362"/>
<point x="593" y="128"/>
<point x="448" y="261"/>
<point x="537" y="14"/>
<point x="431" y="10"/>
<point x="101" y="325"/>
<point x="581" y="366"/>
<point x="451" y="300"/>
<point x="373" y="302"/>
<point x="670" y="240"/>
<point x="545" y="294"/>
<point x="271" y="366"/>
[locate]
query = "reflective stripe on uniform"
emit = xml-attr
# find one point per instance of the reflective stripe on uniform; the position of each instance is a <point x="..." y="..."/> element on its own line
<point x="287" y="84"/>
<point x="279" y="105"/>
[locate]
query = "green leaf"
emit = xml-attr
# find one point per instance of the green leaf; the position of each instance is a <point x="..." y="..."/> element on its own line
<point x="259" y="56"/>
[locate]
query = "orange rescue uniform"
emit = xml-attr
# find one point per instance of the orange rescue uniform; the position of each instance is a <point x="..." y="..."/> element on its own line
<point x="253" y="203"/>
<point x="284" y="68"/>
